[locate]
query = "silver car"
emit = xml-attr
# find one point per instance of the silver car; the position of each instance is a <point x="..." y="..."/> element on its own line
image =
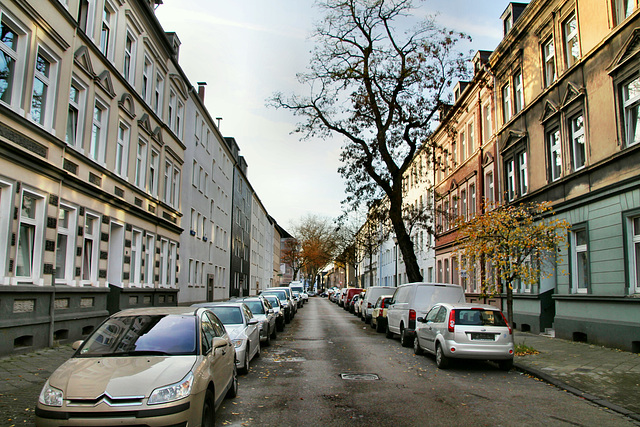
<point x="465" y="331"/>
<point x="242" y="328"/>
<point x="262" y="310"/>
<point x="278" y="309"/>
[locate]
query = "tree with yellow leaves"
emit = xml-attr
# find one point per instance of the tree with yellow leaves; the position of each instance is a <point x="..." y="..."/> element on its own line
<point x="513" y="242"/>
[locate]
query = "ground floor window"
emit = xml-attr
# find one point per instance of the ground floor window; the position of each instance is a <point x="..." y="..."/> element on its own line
<point x="579" y="260"/>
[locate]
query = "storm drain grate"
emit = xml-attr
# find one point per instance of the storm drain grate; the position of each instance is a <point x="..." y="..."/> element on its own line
<point x="360" y="377"/>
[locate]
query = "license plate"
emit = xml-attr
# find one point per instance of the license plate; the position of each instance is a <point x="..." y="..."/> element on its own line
<point x="483" y="337"/>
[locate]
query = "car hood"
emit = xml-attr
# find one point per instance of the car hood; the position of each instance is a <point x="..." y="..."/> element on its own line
<point x="236" y="331"/>
<point x="90" y="378"/>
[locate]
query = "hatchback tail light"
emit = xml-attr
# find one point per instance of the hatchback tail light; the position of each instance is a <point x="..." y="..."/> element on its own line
<point x="507" y="323"/>
<point x="452" y="320"/>
<point x="412" y="315"/>
<point x="369" y="305"/>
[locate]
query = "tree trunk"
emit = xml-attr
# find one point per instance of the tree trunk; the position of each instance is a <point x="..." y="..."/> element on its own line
<point x="510" y="304"/>
<point x="404" y="240"/>
<point x="370" y="268"/>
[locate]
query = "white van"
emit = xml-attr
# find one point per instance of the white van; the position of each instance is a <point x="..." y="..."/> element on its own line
<point x="414" y="300"/>
<point x="371" y="297"/>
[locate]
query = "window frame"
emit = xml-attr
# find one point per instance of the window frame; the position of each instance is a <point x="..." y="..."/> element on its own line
<point x="71" y="232"/>
<point x="90" y="277"/>
<point x="632" y="250"/>
<point x="574" y="250"/>
<point x="37" y="223"/>
<point x="149" y="259"/>
<point x="49" y="82"/>
<point x="549" y="68"/>
<point x="140" y="173"/>
<point x="146" y="89"/>
<point x="105" y="44"/>
<point x="554" y="146"/>
<point x="507" y="111"/>
<point x="136" y="277"/>
<point x="574" y="137"/>
<point x="123" y="141"/>
<point x="568" y="38"/>
<point x="99" y="145"/>
<point x="19" y="57"/>
<point x="518" y="92"/>
<point x="630" y="110"/>
<point x="129" y="61"/>
<point x="80" y="107"/>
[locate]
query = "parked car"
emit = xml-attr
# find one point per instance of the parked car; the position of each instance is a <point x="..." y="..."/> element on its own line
<point x="287" y="290"/>
<point x="371" y="297"/>
<point x="297" y="298"/>
<point x="379" y="315"/>
<point x="299" y="286"/>
<point x="175" y="364"/>
<point x="278" y="309"/>
<point x="414" y="300"/>
<point x="348" y="297"/>
<point x="357" y="305"/>
<point x="262" y="310"/>
<point x="242" y="328"/>
<point x="284" y="299"/>
<point x="465" y="331"/>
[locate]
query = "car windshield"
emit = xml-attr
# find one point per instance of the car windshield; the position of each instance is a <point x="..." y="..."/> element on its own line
<point x="228" y="315"/>
<point x="275" y="302"/>
<point x="255" y="306"/>
<point x="282" y="296"/>
<point x="479" y="317"/>
<point x="143" y="335"/>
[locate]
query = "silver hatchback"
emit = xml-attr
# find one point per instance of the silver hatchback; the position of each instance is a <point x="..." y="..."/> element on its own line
<point x="465" y="331"/>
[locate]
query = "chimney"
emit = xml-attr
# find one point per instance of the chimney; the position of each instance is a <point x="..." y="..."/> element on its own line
<point x="201" y="86"/>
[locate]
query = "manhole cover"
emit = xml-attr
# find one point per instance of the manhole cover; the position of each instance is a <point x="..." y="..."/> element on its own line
<point x="360" y="377"/>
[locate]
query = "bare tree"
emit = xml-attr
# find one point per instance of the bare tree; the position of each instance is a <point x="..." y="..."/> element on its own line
<point x="379" y="88"/>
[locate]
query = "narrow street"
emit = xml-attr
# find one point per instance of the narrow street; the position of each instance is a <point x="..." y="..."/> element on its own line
<point x="297" y="381"/>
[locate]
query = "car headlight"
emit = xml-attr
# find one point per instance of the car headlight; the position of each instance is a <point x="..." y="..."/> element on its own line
<point x="172" y="392"/>
<point x="237" y="343"/>
<point x="50" y="396"/>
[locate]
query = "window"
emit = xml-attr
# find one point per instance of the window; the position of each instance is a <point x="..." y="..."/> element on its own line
<point x="171" y="113"/>
<point x="488" y="191"/>
<point x="470" y="139"/>
<point x="487" y="129"/>
<point x="75" y="117"/>
<point x="90" y="249"/>
<point x="171" y="184"/>
<point x="157" y="96"/>
<point x="99" y="131"/>
<point x="129" y="65"/>
<point x="454" y="153"/>
<point x="463" y="146"/>
<point x="6" y="222"/>
<point x="518" y="103"/>
<point x="571" y="44"/>
<point x="549" y="62"/>
<point x="622" y="9"/>
<point x="634" y="261"/>
<point x="506" y="103"/>
<point x="472" y="200"/>
<point x="631" y="106"/>
<point x="135" y="267"/>
<point x="154" y="166"/>
<point x="149" y="255"/>
<point x="30" y="237"/>
<point x="522" y="173"/>
<point x="147" y="73"/>
<point x="106" y="33"/>
<point x="579" y="261"/>
<point x="576" y="129"/>
<point x="12" y="48"/>
<point x="507" y="23"/>
<point x="511" y="181"/>
<point x="463" y="206"/>
<point x="168" y="255"/>
<point x="195" y="179"/>
<point x="179" y="119"/>
<point x="122" y="149"/>
<point x="43" y="94"/>
<point x="555" y="154"/>
<point x="141" y="163"/>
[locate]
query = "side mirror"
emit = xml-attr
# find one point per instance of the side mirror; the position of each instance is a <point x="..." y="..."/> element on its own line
<point x="270" y="311"/>
<point x="420" y="319"/>
<point x="253" y="321"/>
<point x="219" y="342"/>
<point x="76" y="345"/>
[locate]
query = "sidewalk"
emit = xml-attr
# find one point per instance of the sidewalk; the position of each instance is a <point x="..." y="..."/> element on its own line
<point x="605" y="376"/>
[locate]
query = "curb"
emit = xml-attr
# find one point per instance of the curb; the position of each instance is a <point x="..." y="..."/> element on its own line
<point x="595" y="399"/>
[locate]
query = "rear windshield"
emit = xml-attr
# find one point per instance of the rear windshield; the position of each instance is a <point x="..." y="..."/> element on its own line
<point x="142" y="335"/>
<point x="479" y="317"/>
<point x="228" y="315"/>
<point x="282" y="296"/>
<point x="297" y="288"/>
<point x="273" y="300"/>
<point x="427" y="296"/>
<point x="255" y="306"/>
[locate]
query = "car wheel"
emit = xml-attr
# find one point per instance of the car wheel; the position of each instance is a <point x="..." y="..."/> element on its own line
<point x="379" y="326"/>
<point x="416" y="346"/>
<point x="233" y="391"/>
<point x="208" y="410"/>
<point x="267" y="342"/>
<point x="405" y="340"/>
<point x="245" y="367"/>
<point x="258" y="350"/>
<point x="281" y="327"/>
<point x="442" y="361"/>
<point x="389" y="334"/>
<point x="367" y="319"/>
<point x="274" y="334"/>
<point x="505" y="365"/>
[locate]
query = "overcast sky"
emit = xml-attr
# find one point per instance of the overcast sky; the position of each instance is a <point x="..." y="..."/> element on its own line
<point x="246" y="50"/>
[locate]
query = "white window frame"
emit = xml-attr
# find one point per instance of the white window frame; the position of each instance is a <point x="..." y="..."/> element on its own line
<point x="472" y="200"/>
<point x="578" y="142"/>
<point x="554" y="147"/>
<point x="549" y="61"/>
<point x="154" y="172"/>
<point x="622" y="9"/>
<point x="90" y="260"/>
<point x="142" y="150"/>
<point x="147" y="80"/>
<point x="470" y="139"/>
<point x="98" y="139"/>
<point x="79" y="105"/>
<point x="518" y="92"/>
<point x="158" y="93"/>
<point x="49" y="81"/>
<point x="6" y="221"/>
<point x="571" y="41"/>
<point x="489" y="190"/>
<point x="523" y="178"/>
<point x="463" y="146"/>
<point x="168" y="263"/>
<point x="17" y="53"/>
<point x="108" y="23"/>
<point x="194" y="175"/>
<point x="487" y="122"/>
<point x="511" y="180"/>
<point x="576" y="250"/>
<point x="122" y="149"/>
<point x="171" y="112"/>
<point x="129" y="60"/>
<point x="70" y="232"/>
<point x="149" y="259"/>
<point x="633" y="236"/>
<point x="179" y="119"/>
<point x="631" y="110"/>
<point x="506" y="103"/>
<point x="135" y="264"/>
<point x="37" y="222"/>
